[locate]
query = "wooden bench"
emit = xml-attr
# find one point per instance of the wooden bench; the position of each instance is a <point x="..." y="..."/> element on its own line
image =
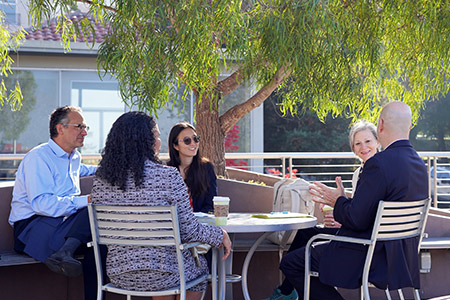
<point x="8" y="257"/>
<point x="11" y="258"/>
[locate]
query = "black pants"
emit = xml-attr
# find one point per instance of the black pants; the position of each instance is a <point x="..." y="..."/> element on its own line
<point x="301" y="239"/>
<point x="293" y="267"/>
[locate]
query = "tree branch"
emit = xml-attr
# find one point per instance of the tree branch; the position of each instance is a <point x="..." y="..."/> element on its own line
<point x="231" y="83"/>
<point x="104" y="6"/>
<point x="234" y="114"/>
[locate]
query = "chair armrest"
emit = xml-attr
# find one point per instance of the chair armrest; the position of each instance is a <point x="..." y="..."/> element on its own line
<point x="331" y="237"/>
<point x="189" y="245"/>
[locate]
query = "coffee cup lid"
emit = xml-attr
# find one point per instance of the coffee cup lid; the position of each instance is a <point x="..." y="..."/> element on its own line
<point x="224" y="200"/>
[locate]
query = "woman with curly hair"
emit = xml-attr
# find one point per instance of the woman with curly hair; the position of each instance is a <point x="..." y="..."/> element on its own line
<point x="197" y="172"/>
<point x="130" y="173"/>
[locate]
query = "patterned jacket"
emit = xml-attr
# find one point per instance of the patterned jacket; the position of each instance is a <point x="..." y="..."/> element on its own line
<point x="162" y="185"/>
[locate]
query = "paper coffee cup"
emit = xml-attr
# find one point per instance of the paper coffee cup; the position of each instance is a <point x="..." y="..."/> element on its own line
<point x="327" y="208"/>
<point x="221" y="209"/>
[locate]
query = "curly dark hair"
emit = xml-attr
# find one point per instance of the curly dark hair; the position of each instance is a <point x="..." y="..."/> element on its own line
<point x="129" y="144"/>
<point x="197" y="179"/>
<point x="60" y="116"/>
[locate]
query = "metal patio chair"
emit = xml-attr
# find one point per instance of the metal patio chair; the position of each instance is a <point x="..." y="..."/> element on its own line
<point x="138" y="226"/>
<point x="395" y="220"/>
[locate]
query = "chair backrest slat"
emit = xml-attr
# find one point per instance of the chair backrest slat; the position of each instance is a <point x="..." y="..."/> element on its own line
<point x="398" y="227"/>
<point x="127" y="225"/>
<point x="143" y="235"/>
<point x="400" y="211"/>
<point x="403" y="204"/>
<point x="399" y="218"/>
<point x="134" y="208"/>
<point x="117" y="216"/>
<point x="108" y="241"/>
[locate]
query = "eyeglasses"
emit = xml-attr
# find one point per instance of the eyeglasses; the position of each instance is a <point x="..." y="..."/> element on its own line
<point x="187" y="140"/>
<point x="80" y="127"/>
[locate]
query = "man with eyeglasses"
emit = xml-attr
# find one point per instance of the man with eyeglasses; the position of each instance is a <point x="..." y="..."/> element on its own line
<point x="46" y="208"/>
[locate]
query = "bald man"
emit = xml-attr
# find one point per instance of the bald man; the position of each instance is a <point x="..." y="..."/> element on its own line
<point x="395" y="174"/>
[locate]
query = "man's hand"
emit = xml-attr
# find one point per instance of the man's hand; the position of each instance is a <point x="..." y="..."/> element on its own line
<point x="325" y="194"/>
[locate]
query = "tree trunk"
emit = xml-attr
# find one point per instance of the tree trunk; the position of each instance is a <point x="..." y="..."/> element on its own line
<point x="440" y="139"/>
<point x="209" y="128"/>
<point x="213" y="128"/>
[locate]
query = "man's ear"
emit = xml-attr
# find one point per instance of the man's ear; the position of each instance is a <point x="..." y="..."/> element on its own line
<point x="380" y="125"/>
<point x="59" y="128"/>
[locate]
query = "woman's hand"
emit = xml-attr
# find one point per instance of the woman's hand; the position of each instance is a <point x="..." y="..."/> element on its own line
<point x="226" y="243"/>
<point x="328" y="218"/>
<point x="330" y="222"/>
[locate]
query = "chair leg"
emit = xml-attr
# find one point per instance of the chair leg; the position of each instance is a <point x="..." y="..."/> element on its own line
<point x="280" y="257"/>
<point x="388" y="294"/>
<point x="307" y="272"/>
<point x="416" y="294"/>
<point x="400" y="294"/>
<point x="203" y="295"/>
<point x="365" y="291"/>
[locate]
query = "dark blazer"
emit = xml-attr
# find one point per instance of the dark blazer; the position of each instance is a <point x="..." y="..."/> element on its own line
<point x="204" y="203"/>
<point x="395" y="174"/>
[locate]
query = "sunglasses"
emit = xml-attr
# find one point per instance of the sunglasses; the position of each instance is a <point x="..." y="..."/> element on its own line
<point x="187" y="140"/>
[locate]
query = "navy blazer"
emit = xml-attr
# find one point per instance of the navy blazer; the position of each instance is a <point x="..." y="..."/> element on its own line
<point x="395" y="174"/>
<point x="204" y="203"/>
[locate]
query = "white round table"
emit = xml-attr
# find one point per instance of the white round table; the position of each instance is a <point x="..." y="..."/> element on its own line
<point x="245" y="223"/>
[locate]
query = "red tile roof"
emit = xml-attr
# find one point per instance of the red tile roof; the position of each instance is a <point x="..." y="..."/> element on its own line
<point x="48" y="31"/>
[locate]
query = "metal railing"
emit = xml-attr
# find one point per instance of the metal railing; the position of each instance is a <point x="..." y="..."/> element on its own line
<point x="321" y="166"/>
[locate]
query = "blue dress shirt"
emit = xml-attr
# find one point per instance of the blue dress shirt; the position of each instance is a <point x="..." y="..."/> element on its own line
<point x="48" y="183"/>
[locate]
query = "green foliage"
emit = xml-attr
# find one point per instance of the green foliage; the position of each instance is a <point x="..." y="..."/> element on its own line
<point x="345" y="57"/>
<point x="14" y="122"/>
<point x="432" y="131"/>
<point x="9" y="41"/>
<point x="303" y="133"/>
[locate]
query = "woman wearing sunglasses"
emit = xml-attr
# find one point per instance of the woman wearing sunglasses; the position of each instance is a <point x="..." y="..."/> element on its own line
<point x="197" y="171"/>
<point x="133" y="175"/>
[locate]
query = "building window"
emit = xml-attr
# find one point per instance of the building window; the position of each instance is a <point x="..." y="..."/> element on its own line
<point x="9" y="9"/>
<point x="24" y="129"/>
<point x="102" y="105"/>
